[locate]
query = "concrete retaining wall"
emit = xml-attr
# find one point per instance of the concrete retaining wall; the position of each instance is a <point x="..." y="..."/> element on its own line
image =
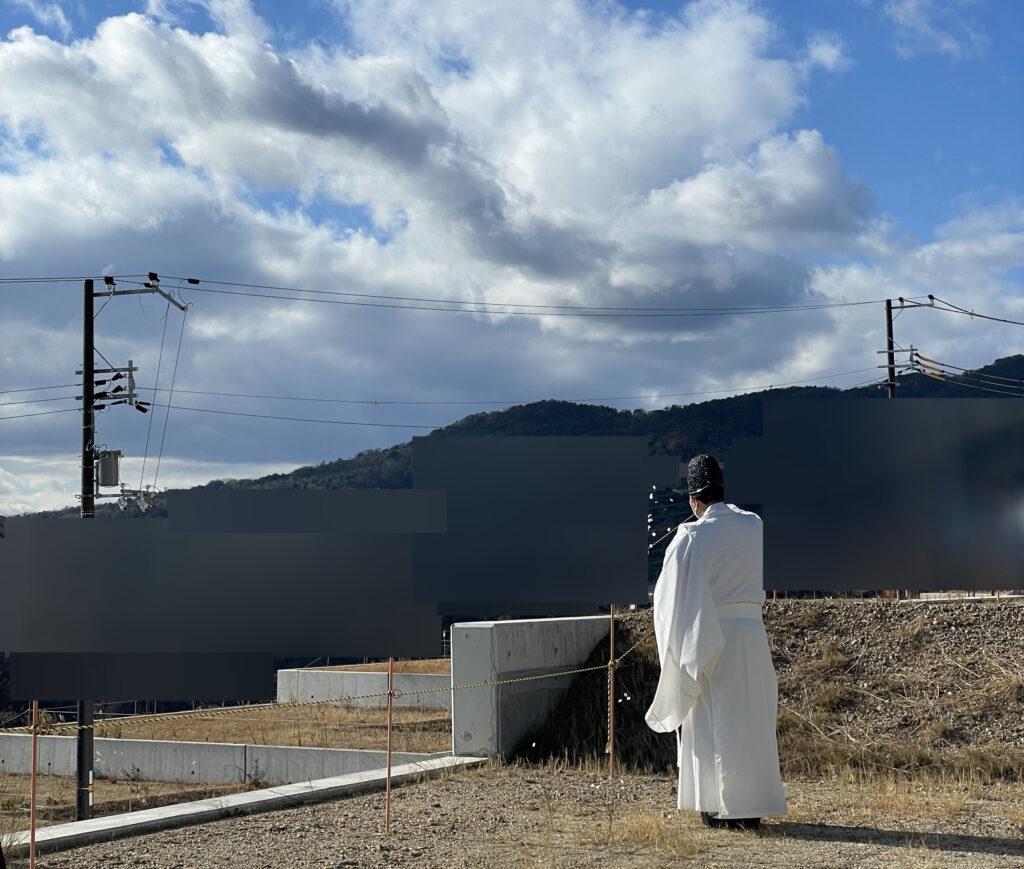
<point x="492" y="720"/>
<point x="302" y="685"/>
<point x="209" y="762"/>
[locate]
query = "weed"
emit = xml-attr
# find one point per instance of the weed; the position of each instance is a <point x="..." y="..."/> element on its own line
<point x="810" y="617"/>
<point x="650" y="831"/>
<point x="830" y="659"/>
<point x="832" y="698"/>
<point x="257" y="776"/>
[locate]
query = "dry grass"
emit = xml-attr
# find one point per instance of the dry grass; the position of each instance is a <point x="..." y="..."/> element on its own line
<point x="830" y="659"/>
<point x="651" y="832"/>
<point x="861" y="797"/>
<point x="1014" y="812"/>
<point x="320" y="726"/>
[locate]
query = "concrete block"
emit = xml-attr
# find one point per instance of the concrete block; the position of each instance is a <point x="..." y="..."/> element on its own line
<point x="491" y="720"/>
<point x="287" y="686"/>
<point x="153" y="760"/>
<point x="60" y="837"/>
<point x="311" y="684"/>
<point x="194" y="762"/>
<point x="278" y="764"/>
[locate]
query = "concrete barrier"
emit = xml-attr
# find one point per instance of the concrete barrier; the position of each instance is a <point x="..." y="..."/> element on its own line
<point x="60" y="837"/>
<point x="311" y="684"/>
<point x="209" y="762"/>
<point x="491" y="721"/>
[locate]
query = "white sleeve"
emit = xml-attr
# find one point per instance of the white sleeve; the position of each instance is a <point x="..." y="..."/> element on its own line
<point x="688" y="633"/>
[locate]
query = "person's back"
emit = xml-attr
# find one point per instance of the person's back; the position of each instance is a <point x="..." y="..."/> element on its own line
<point x="717" y="687"/>
<point x="730" y="543"/>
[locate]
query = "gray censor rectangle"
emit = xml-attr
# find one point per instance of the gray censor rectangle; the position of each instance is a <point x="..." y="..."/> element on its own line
<point x="233" y="578"/>
<point x="915" y="494"/>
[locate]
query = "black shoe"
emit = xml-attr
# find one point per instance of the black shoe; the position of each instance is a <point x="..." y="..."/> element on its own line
<point x="711" y="819"/>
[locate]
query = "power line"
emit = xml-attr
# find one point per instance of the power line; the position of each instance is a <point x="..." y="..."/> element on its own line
<point x="716" y="309"/>
<point x="299" y="419"/>
<point x="170" y="397"/>
<point x="582" y="311"/>
<point x="375" y="402"/>
<point x="159" y="362"/>
<point x="971" y="385"/>
<point x="41" y="413"/>
<point x="956" y="309"/>
<point x="63" y="280"/>
<point x="39" y="388"/>
<point x="36" y="400"/>
<point x="970" y="371"/>
<point x="983" y="382"/>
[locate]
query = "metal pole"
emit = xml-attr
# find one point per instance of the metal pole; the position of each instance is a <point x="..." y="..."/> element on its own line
<point x="387" y="798"/>
<point x="611" y="693"/>
<point x="84" y="736"/>
<point x="84" y="744"/>
<point x="890" y="349"/>
<point x="88" y="414"/>
<point x="32" y="797"/>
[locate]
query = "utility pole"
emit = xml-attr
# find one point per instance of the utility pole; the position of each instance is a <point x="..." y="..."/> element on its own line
<point x="890" y="349"/>
<point x="87" y="708"/>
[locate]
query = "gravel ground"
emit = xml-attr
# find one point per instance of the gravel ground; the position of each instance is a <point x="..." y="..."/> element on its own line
<point x="900" y="696"/>
<point x="517" y="815"/>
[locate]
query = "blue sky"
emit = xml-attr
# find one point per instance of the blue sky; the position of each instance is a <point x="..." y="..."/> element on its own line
<point x="714" y="154"/>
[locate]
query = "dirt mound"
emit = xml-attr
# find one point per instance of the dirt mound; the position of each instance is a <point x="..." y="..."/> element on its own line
<point x="863" y="684"/>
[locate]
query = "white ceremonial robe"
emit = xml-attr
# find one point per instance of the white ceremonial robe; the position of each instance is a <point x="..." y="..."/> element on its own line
<point x="717" y="687"/>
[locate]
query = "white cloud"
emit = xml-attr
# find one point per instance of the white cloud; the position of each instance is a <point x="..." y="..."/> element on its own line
<point x="935" y="26"/>
<point x="47" y="14"/>
<point x="29" y="483"/>
<point x="825" y="50"/>
<point x="531" y="153"/>
<point x="791" y="193"/>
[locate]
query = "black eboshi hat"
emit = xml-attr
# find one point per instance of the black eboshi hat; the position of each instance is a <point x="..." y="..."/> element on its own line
<point x="702" y="472"/>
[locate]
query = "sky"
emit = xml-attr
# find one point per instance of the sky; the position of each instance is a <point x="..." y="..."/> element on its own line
<point x="403" y="212"/>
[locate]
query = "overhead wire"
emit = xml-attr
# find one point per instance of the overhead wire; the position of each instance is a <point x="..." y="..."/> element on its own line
<point x="36" y="400"/>
<point x="40" y="413"/>
<point x="956" y="309"/>
<point x="971" y="371"/>
<point x="376" y="402"/>
<point x="298" y="419"/>
<point x="968" y="378"/>
<point x="167" y="415"/>
<point x="499" y="304"/>
<point x="508" y="308"/>
<point x="149" y="427"/>
<point x="69" y="279"/>
<point x="39" y="388"/>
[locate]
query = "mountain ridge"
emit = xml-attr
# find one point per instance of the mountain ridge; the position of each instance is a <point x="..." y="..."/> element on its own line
<point x="683" y="430"/>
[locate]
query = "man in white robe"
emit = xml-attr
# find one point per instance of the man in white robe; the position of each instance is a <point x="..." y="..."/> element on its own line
<point x="717" y="688"/>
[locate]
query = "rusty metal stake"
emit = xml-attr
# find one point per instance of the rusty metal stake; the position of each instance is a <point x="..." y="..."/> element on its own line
<point x="32" y="798"/>
<point x="391" y="697"/>
<point x="611" y="694"/>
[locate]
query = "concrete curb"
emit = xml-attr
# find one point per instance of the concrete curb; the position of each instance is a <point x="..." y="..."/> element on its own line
<point x="60" y="837"/>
